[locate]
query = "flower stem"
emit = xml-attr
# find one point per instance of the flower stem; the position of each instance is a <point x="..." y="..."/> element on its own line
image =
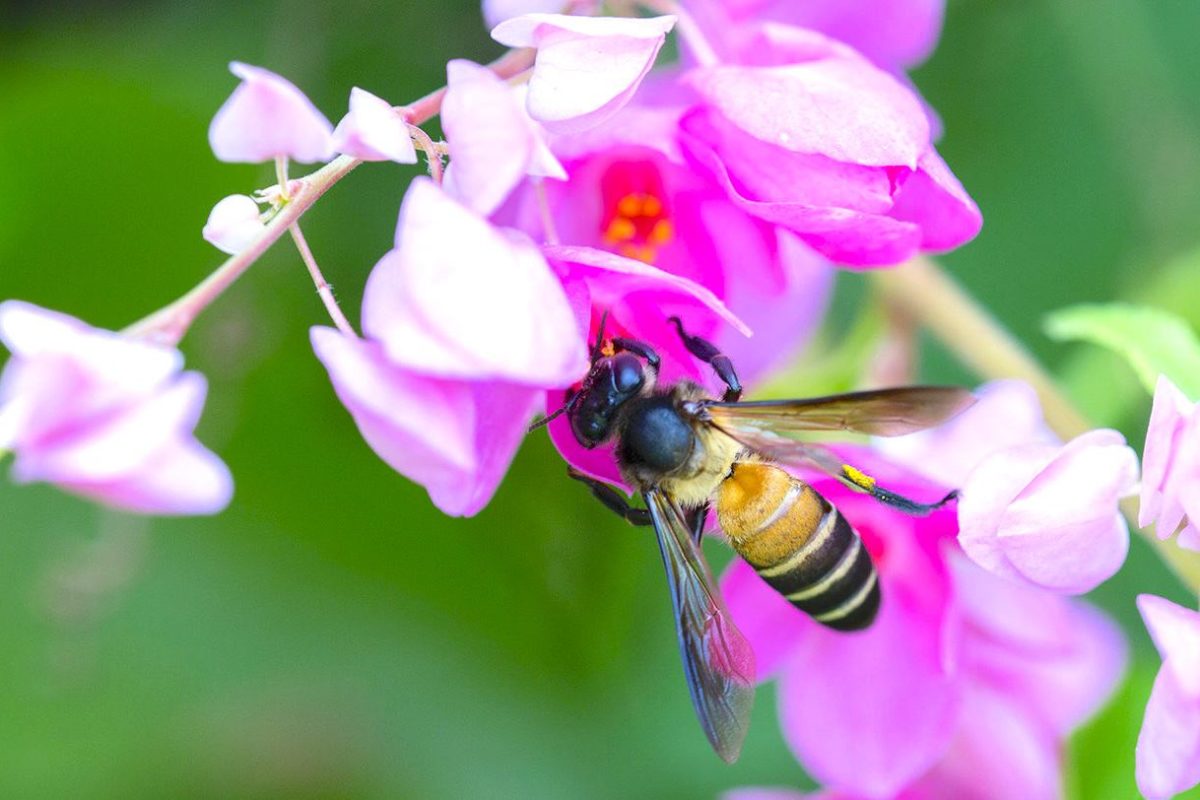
<point x="323" y="287"/>
<point x="923" y="291"/>
<point x="433" y="154"/>
<point x="169" y="324"/>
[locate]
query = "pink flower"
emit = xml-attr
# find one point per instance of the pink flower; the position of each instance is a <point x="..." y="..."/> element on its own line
<point x="963" y="680"/>
<point x="266" y="117"/>
<point x="467" y="327"/>
<point x="373" y="131"/>
<point x="1030" y="508"/>
<point x="893" y="33"/>
<point x="104" y="416"/>
<point x="1171" y="466"/>
<point x="1168" y="748"/>
<point x="233" y="223"/>
<point x="587" y="67"/>
<point x="832" y="148"/>
<point x="493" y="142"/>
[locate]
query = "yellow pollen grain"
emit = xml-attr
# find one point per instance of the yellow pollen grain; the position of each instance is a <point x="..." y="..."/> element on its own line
<point x="662" y="231"/>
<point x="651" y="206"/>
<point x="630" y="205"/>
<point x="620" y="230"/>
<point x="858" y="477"/>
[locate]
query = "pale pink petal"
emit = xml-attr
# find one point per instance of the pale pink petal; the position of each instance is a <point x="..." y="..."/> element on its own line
<point x="841" y="108"/>
<point x="267" y="116"/>
<point x="493" y="142"/>
<point x="1051" y="517"/>
<point x="496" y="11"/>
<point x="1176" y="633"/>
<point x="502" y="415"/>
<point x="1168" y="748"/>
<point x="29" y="331"/>
<point x="1057" y="658"/>
<point x="459" y="298"/>
<point x="233" y="223"/>
<point x="1064" y="530"/>
<point x="182" y="478"/>
<point x="997" y="753"/>
<point x="412" y="421"/>
<point x="1168" y="419"/>
<point x="1005" y="414"/>
<point x="373" y="131"/>
<point x="120" y="443"/>
<point x="587" y="67"/>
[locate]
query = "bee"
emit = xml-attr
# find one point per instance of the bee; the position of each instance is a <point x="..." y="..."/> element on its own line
<point x="685" y="451"/>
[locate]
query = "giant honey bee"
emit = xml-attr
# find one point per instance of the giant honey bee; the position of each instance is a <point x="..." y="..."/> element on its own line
<point x="684" y="451"/>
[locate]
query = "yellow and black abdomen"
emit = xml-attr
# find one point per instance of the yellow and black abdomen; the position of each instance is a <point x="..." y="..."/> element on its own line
<point x="800" y="545"/>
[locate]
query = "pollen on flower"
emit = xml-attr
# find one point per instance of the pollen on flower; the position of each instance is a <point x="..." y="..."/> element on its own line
<point x="636" y="219"/>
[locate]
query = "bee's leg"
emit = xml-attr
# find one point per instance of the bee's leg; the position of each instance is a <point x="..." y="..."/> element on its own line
<point x="697" y="518"/>
<point x="638" y="349"/>
<point x="707" y="352"/>
<point x="612" y="499"/>
<point x="861" y="480"/>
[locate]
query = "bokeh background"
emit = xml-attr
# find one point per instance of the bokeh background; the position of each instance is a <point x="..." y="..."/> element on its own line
<point x="332" y="635"/>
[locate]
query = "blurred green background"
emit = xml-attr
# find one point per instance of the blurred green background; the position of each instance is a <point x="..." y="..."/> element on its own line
<point x="331" y="634"/>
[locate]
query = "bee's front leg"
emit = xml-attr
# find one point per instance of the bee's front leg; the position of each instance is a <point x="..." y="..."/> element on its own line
<point x="612" y="499"/>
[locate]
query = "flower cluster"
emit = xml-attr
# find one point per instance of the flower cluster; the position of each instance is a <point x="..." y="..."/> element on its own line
<point x="590" y="185"/>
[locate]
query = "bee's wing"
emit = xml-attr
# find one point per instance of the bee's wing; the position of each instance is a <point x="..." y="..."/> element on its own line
<point x="717" y="660"/>
<point x="881" y="412"/>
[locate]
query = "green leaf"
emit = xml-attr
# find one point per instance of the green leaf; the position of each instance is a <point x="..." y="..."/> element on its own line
<point x="1151" y="340"/>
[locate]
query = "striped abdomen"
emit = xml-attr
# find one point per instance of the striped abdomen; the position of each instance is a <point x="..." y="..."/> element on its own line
<point x="800" y="545"/>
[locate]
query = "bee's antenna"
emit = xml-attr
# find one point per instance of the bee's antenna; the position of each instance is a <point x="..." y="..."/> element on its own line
<point x="546" y="420"/>
<point x="598" y="346"/>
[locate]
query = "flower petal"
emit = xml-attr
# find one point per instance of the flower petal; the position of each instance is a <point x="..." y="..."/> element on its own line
<point x="1176" y="633"/>
<point x="373" y="131"/>
<point x="1168" y="747"/>
<point x="459" y="298"/>
<point x="233" y="223"/>
<point x="587" y="67"/>
<point x="267" y="116"/>
<point x="493" y="142"/>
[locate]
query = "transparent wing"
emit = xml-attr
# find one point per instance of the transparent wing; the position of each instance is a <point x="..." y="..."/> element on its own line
<point x="717" y="660"/>
<point x="882" y="412"/>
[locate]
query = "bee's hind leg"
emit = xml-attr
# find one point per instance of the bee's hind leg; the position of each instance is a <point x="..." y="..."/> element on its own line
<point x="707" y="352"/>
<point x="612" y="499"/>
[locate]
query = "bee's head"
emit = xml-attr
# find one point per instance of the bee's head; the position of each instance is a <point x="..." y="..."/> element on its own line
<point x="613" y="381"/>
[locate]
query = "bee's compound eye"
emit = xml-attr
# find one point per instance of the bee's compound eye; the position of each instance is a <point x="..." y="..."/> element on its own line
<point x="628" y="375"/>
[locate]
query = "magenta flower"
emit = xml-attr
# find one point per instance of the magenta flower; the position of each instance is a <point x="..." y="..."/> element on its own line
<point x="832" y="148"/>
<point x="373" y="131"/>
<point x="1168" y="748"/>
<point x="895" y="34"/>
<point x="267" y="117"/>
<point x="587" y="68"/>
<point x="1171" y="466"/>
<point x="104" y="416"/>
<point x="233" y="223"/>
<point x="631" y="191"/>
<point x="1031" y="508"/>
<point x="964" y="678"/>
<point x="493" y="141"/>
